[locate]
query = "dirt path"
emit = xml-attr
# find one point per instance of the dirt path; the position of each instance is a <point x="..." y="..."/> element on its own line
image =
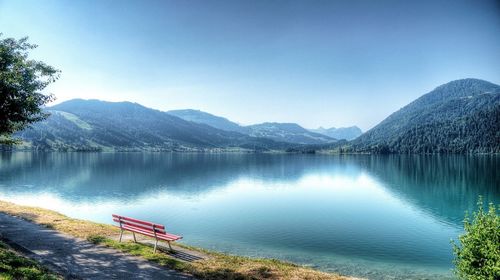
<point x="76" y="258"/>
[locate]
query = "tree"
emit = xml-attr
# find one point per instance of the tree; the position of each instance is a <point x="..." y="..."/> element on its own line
<point x="21" y="83"/>
<point x="478" y="256"/>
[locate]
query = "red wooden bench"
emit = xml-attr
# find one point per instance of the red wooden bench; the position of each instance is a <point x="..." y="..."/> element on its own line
<point x="156" y="231"/>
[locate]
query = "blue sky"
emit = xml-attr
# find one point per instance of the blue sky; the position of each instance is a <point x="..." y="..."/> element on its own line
<point x="316" y="63"/>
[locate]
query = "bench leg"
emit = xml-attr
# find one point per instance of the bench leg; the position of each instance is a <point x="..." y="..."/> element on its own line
<point x="121" y="234"/>
<point x="169" y="246"/>
<point x="135" y="240"/>
<point x="156" y="244"/>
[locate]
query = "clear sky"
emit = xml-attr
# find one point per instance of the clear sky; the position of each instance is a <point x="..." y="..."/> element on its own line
<point x="316" y="63"/>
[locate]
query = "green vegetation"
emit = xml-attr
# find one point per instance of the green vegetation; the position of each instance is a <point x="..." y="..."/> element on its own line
<point x="215" y="266"/>
<point x="478" y="255"/>
<point x="70" y="117"/>
<point x="138" y="249"/>
<point x="93" y="125"/>
<point x="459" y="117"/>
<point x="21" y="83"/>
<point x="14" y="266"/>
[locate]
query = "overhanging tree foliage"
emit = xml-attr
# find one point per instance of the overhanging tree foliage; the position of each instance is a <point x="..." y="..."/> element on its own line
<point x="22" y="81"/>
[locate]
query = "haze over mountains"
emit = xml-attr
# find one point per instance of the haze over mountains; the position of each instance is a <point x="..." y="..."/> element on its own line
<point x="281" y="132"/>
<point x="347" y="133"/>
<point x="462" y="116"/>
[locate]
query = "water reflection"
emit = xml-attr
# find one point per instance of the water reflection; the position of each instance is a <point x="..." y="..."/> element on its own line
<point x="445" y="186"/>
<point x="88" y="175"/>
<point x="352" y="214"/>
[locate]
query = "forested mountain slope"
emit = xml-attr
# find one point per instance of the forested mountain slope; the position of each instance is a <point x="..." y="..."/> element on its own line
<point x="462" y="116"/>
<point x="97" y="125"/>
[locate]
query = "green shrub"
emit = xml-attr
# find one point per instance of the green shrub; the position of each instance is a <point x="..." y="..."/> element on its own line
<point x="478" y="255"/>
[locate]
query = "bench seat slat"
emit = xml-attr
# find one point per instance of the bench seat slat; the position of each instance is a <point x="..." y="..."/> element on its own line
<point x="146" y="228"/>
<point x="166" y="236"/>
<point x="123" y="218"/>
<point x="163" y="236"/>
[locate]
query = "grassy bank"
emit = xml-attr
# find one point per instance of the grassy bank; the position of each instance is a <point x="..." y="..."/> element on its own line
<point x="216" y="266"/>
<point x="14" y="266"/>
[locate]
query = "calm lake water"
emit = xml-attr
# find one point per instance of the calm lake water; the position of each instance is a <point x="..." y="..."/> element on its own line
<point x="380" y="217"/>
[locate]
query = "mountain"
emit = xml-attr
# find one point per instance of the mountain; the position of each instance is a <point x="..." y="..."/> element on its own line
<point x="346" y="133"/>
<point x="97" y="125"/>
<point x="198" y="116"/>
<point x="462" y="116"/>
<point x="281" y="132"/>
<point x="288" y="132"/>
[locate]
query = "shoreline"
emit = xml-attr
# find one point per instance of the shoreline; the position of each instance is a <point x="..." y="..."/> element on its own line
<point x="216" y="266"/>
<point x="241" y="152"/>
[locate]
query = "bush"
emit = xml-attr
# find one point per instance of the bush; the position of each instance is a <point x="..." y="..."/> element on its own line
<point x="478" y="255"/>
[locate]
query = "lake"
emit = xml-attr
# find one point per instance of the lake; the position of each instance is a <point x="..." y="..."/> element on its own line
<point x="364" y="215"/>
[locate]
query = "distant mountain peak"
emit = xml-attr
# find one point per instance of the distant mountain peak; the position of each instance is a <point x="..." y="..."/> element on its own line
<point x="347" y="133"/>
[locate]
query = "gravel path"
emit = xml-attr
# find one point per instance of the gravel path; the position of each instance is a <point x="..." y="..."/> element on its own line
<point x="76" y="258"/>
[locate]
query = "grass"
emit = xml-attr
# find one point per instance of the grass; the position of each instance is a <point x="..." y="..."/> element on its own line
<point x="76" y="120"/>
<point x="216" y="266"/>
<point x="15" y="266"/>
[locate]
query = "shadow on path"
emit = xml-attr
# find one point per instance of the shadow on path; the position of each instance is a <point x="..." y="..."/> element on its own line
<point x="178" y="252"/>
<point x="78" y="259"/>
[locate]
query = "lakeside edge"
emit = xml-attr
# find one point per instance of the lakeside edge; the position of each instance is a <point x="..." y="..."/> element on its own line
<point x="217" y="266"/>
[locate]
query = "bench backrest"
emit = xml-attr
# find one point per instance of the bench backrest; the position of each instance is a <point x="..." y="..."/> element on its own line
<point x="144" y="225"/>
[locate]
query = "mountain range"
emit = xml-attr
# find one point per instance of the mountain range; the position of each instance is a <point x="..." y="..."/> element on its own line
<point x="462" y="116"/>
<point x="281" y="132"/>
<point x="124" y="126"/>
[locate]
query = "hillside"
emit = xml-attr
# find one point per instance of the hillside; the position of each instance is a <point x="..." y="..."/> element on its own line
<point x="97" y="125"/>
<point x="198" y="116"/>
<point x="288" y="132"/>
<point x="281" y="132"/>
<point x="346" y="133"/>
<point x="462" y="116"/>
